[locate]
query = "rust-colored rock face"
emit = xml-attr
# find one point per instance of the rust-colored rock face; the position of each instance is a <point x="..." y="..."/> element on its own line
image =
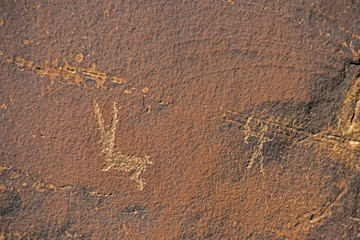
<point x="206" y="119"/>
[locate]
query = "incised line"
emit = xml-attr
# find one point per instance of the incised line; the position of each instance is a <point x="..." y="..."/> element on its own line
<point x="117" y="160"/>
<point x="75" y="75"/>
<point x="345" y="138"/>
<point x="258" y="149"/>
<point x="66" y="71"/>
<point x="320" y="213"/>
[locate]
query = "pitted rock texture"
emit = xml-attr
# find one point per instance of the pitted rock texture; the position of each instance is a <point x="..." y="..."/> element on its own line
<point x="247" y="110"/>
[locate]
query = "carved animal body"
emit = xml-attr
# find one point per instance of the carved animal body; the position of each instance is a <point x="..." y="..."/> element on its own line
<point x="117" y="160"/>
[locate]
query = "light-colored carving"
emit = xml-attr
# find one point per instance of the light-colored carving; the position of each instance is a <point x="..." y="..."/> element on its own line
<point x="261" y="139"/>
<point x="343" y="139"/>
<point x="77" y="74"/>
<point x="117" y="160"/>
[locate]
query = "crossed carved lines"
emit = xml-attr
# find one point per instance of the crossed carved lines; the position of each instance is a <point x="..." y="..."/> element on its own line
<point x="344" y="138"/>
<point x="262" y="138"/>
<point x="265" y="131"/>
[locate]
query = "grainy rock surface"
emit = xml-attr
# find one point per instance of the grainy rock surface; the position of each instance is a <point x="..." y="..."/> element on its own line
<point x="206" y="119"/>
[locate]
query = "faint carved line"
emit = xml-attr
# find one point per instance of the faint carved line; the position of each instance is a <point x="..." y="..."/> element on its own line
<point x="39" y="185"/>
<point x="308" y="219"/>
<point x="117" y="160"/>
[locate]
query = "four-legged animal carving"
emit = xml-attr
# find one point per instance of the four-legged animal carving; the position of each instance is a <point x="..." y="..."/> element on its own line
<point x="117" y="160"/>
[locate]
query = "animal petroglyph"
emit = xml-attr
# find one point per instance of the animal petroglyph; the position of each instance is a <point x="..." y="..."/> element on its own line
<point x="117" y="160"/>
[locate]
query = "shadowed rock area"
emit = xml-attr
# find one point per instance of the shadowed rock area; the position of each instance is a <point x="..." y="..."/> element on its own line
<point x="214" y="119"/>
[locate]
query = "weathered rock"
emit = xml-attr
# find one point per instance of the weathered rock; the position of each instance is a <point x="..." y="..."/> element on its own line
<point x="244" y="115"/>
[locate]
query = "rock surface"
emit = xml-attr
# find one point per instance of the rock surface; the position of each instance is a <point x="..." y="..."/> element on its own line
<point x="206" y="119"/>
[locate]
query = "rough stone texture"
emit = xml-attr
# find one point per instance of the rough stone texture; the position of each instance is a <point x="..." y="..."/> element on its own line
<point x="246" y="109"/>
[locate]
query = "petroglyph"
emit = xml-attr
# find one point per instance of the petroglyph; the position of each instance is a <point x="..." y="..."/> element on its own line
<point x="117" y="160"/>
<point x="261" y="139"/>
<point x="60" y="71"/>
<point x="343" y="139"/>
<point x="263" y="131"/>
<point x="77" y="74"/>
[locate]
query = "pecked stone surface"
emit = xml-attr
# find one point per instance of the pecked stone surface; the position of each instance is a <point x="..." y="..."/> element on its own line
<point x="179" y="120"/>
